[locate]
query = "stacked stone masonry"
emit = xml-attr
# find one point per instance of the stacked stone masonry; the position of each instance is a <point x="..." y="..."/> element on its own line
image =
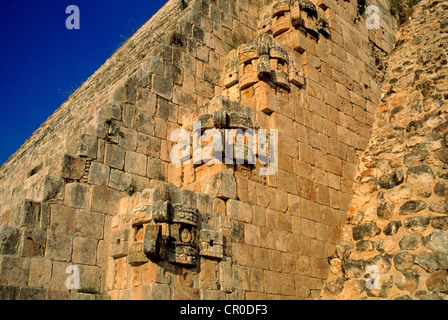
<point x="394" y="245"/>
<point x="95" y="186"/>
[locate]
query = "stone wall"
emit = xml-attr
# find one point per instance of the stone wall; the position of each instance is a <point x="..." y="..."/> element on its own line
<point x="95" y="186"/>
<point x="394" y="245"/>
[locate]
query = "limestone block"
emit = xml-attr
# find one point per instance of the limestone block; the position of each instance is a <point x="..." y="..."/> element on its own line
<point x="104" y="200"/>
<point x="62" y="219"/>
<point x="136" y="254"/>
<point x="266" y="101"/>
<point x="144" y="123"/>
<point x="45" y="188"/>
<point x="151" y="244"/>
<point x="90" y="278"/>
<point x="114" y="156"/>
<point x="89" y="225"/>
<point x="206" y="121"/>
<point x="211" y="243"/>
<point x="126" y="93"/>
<point x="99" y="174"/>
<point x="296" y="76"/>
<point x="77" y="195"/>
<point x="88" y="146"/>
<point x="119" y="246"/>
<point x="27" y="214"/>
<point x="163" y="87"/>
<point x="156" y="291"/>
<point x="73" y="168"/>
<point x="263" y="66"/>
<point x="40" y="273"/>
<point x="34" y="242"/>
<point x="135" y="163"/>
<point x="9" y="292"/>
<point x="222" y="185"/>
<point x="127" y="139"/>
<point x="59" y="247"/>
<point x="9" y="240"/>
<point x="84" y="251"/>
<point x="154" y="65"/>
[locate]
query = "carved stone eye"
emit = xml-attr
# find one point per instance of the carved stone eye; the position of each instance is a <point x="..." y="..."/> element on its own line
<point x="185" y="235"/>
<point x="248" y="67"/>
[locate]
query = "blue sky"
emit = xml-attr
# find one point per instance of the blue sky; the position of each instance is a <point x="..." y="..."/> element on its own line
<point x="42" y="62"/>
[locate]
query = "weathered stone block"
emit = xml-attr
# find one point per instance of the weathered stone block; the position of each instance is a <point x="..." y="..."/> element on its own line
<point x="46" y="188"/>
<point x="407" y="281"/>
<point x="114" y="156"/>
<point x="120" y="180"/>
<point x="385" y="210"/>
<point x="88" y="146"/>
<point x="223" y="186"/>
<point x="438" y="281"/>
<point x="127" y="139"/>
<point x="151" y="244"/>
<point x="9" y="240"/>
<point x="390" y="180"/>
<point x="440" y="223"/>
<point x="145" y="123"/>
<point x="163" y="87"/>
<point x="9" y="293"/>
<point x="403" y="261"/>
<point x="90" y="278"/>
<point x="137" y="255"/>
<point x="136" y="163"/>
<point x="126" y="93"/>
<point x="62" y="219"/>
<point x="84" y="251"/>
<point x="154" y="65"/>
<point x="73" y="168"/>
<point x="440" y="206"/>
<point x="412" y="206"/>
<point x="392" y="228"/>
<point x="34" y="243"/>
<point x="27" y="214"/>
<point x="119" y="246"/>
<point x="40" y="273"/>
<point x="77" y="195"/>
<point x="99" y="174"/>
<point x="89" y="225"/>
<point x="211" y="244"/>
<point x="411" y="242"/>
<point x="156" y="291"/>
<point x="59" y="247"/>
<point x="104" y="200"/>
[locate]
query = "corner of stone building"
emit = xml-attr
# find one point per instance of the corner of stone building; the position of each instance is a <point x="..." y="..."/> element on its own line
<point x="393" y="244"/>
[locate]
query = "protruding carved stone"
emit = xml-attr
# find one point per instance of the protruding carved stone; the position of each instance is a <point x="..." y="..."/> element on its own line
<point x="153" y="238"/>
<point x="119" y="243"/>
<point x="211" y="244"/>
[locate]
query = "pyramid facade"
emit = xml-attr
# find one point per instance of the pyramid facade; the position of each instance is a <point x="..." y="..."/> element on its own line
<point x="108" y="200"/>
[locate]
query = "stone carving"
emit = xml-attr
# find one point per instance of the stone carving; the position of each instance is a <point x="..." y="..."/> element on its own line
<point x="166" y="230"/>
<point x="263" y="59"/>
<point x="291" y="16"/>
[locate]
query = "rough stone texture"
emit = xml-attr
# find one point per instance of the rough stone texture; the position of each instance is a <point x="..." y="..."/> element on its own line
<point x="402" y="174"/>
<point x="101" y="192"/>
